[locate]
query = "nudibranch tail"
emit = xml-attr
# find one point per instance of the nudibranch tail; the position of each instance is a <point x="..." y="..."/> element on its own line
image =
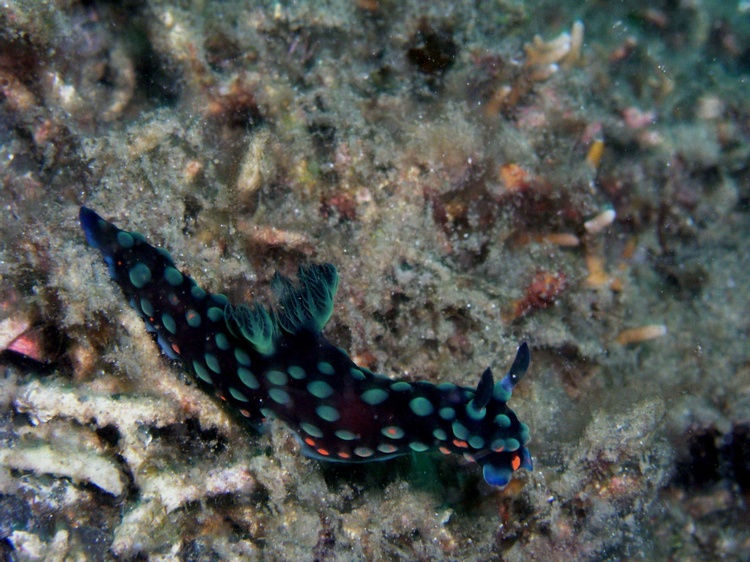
<point x="276" y="362"/>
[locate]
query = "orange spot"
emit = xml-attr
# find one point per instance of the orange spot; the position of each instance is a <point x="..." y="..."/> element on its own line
<point x="444" y="450"/>
<point x="562" y="239"/>
<point x="514" y="177"/>
<point x="594" y="156"/>
<point x="323" y="452"/>
<point x="629" y="251"/>
<point x="245" y="413"/>
<point x="642" y="334"/>
<point x="469" y="458"/>
<point x="176" y="348"/>
<point x="598" y="276"/>
<point x="310" y="441"/>
<point x="391" y="431"/>
<point x="460" y="444"/>
<point x="516" y="462"/>
<point x="344" y="455"/>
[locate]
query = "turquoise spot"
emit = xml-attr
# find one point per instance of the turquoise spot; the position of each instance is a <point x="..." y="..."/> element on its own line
<point x="139" y="275"/>
<point x="374" y="396"/>
<point x="400" y="386"/>
<point x="137" y="236"/>
<point x="242" y="357"/>
<point x="237" y="395"/>
<point x="125" y="240"/>
<point x="421" y="406"/>
<point x="446" y="386"/>
<point x="267" y="413"/>
<point x="173" y="299"/>
<point x="357" y="374"/>
<point x="498" y="445"/>
<point x="173" y="276"/>
<point x="325" y="367"/>
<point x="512" y="444"/>
<point x="328" y="413"/>
<point x="297" y="373"/>
<point x="193" y="318"/>
<point x="502" y="420"/>
<point x="476" y="442"/>
<point x="200" y="370"/>
<point x="447" y="413"/>
<point x="439" y="434"/>
<point x="364" y="452"/>
<point x="418" y="447"/>
<point x="392" y="432"/>
<point x="320" y="389"/>
<point x="345" y="435"/>
<point x="221" y="341"/>
<point x="278" y="396"/>
<point x="169" y="323"/>
<point x="162" y="251"/>
<point x="475" y="414"/>
<point x="212" y="362"/>
<point x="276" y="377"/>
<point x="499" y="393"/>
<point x="524" y="434"/>
<point x="247" y="378"/>
<point x="147" y="307"/>
<point x="460" y="431"/>
<point x="197" y="292"/>
<point x="310" y="429"/>
<point x="218" y="298"/>
<point x="387" y="448"/>
<point x="215" y="314"/>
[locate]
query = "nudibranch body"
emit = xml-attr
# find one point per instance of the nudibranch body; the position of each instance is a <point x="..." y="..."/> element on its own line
<point x="276" y="362"/>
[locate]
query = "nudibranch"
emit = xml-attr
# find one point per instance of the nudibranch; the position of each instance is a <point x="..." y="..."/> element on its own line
<point x="275" y="361"/>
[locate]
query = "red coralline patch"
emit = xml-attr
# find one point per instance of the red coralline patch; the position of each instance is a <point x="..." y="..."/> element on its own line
<point x="341" y="205"/>
<point x="235" y="103"/>
<point x="542" y="292"/>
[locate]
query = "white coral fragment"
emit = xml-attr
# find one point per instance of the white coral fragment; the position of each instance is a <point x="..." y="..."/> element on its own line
<point x="79" y="466"/>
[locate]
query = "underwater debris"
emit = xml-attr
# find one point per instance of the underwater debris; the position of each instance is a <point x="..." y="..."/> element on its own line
<point x="78" y="465"/>
<point x="541" y="293"/>
<point x="601" y="221"/>
<point x="594" y="155"/>
<point x="543" y="60"/>
<point x="641" y="334"/>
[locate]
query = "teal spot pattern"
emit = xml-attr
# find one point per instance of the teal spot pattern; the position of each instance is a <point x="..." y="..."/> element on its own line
<point x="202" y="373"/>
<point x="139" y="275"/>
<point x="242" y="357"/>
<point x="125" y="240"/>
<point x="247" y="378"/>
<point x="320" y="389"/>
<point x="212" y="362"/>
<point x="421" y="406"/>
<point x="169" y="323"/>
<point x="327" y="413"/>
<point x="172" y="276"/>
<point x="374" y="396"/>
